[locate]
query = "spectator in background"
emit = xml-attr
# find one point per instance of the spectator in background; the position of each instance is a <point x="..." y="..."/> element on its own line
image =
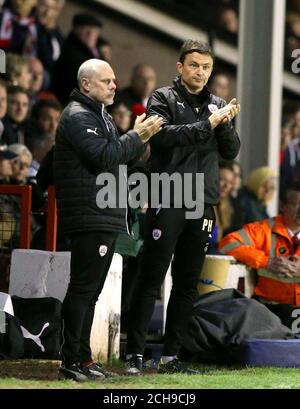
<point x="18" y="72"/>
<point x="286" y="139"/>
<point x="228" y="216"/>
<point x="258" y="191"/>
<point x="121" y="116"/>
<point x="219" y="86"/>
<point x="21" y="166"/>
<point x="3" y="106"/>
<point x="18" y="31"/>
<point x="290" y="157"/>
<point x="228" y="20"/>
<point x="15" y="122"/>
<point x="297" y="119"/>
<point x="36" y="70"/>
<point x="6" y="159"/>
<point x="289" y="109"/>
<point x="143" y="83"/>
<point x="272" y="247"/>
<point x="20" y="172"/>
<point x="290" y="167"/>
<point x="238" y="178"/>
<point x="296" y="131"/>
<point x="50" y="38"/>
<point x="105" y="49"/>
<point x="38" y="145"/>
<point x="80" y="45"/>
<point x="46" y="114"/>
<point x="3" y="99"/>
<point x="224" y="209"/>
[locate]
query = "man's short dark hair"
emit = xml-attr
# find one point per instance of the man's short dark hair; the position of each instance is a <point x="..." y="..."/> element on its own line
<point x="42" y="104"/>
<point x="86" y="19"/>
<point x="292" y="186"/>
<point x="16" y="89"/>
<point x="225" y="164"/>
<point x="3" y="84"/>
<point x="191" y="46"/>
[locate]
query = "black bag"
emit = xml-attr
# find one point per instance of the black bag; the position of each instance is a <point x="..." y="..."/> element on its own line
<point x="11" y="337"/>
<point x="41" y="324"/>
<point x="222" y="323"/>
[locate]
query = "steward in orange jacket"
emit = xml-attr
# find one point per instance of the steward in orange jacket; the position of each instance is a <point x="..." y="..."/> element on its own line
<point x="272" y="247"/>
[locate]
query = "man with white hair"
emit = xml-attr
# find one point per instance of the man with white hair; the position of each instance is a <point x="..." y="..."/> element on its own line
<point x="88" y="144"/>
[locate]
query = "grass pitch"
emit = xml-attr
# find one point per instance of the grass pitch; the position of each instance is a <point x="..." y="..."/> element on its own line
<point x="33" y="374"/>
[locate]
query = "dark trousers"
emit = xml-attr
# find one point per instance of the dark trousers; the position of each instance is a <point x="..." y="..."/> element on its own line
<point x="129" y="279"/>
<point x="168" y="232"/>
<point x="91" y="255"/>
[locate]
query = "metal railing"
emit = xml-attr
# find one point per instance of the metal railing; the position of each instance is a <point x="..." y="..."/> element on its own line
<point x="25" y="193"/>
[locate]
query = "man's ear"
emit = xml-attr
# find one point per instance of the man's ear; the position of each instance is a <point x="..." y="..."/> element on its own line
<point x="179" y="67"/>
<point x="85" y="84"/>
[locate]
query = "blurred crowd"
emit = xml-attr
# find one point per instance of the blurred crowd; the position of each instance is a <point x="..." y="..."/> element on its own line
<point x="41" y="72"/>
<point x="220" y="18"/>
<point x="292" y="33"/>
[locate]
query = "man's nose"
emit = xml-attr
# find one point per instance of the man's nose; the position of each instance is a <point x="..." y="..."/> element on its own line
<point x="200" y="71"/>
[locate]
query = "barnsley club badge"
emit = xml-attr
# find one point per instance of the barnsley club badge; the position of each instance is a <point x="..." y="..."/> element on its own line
<point x="213" y="108"/>
<point x="156" y="234"/>
<point x="102" y="250"/>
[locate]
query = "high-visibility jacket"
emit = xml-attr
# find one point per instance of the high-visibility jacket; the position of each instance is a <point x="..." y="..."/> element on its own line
<point x="254" y="245"/>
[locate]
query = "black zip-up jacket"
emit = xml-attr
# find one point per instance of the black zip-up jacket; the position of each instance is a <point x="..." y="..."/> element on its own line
<point x="87" y="144"/>
<point x="187" y="144"/>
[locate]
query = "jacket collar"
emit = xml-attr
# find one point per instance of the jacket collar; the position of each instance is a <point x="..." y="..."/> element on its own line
<point x="280" y="228"/>
<point x="78" y="96"/>
<point x="204" y="94"/>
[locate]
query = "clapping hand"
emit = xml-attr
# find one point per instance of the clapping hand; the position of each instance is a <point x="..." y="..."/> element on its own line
<point x="225" y="114"/>
<point x="146" y="128"/>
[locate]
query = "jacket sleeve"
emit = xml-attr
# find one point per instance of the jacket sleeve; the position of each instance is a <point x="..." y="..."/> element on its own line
<point x="227" y="139"/>
<point x="140" y="161"/>
<point x="175" y="135"/>
<point x="247" y="245"/>
<point x="95" y="150"/>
